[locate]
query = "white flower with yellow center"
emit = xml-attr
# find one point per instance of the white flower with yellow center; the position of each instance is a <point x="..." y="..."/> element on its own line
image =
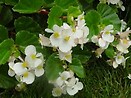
<point x="57" y="91"/>
<point x="44" y="41"/>
<point x="73" y="86"/>
<point x="65" y="56"/>
<point x="55" y="38"/>
<point x="63" y="77"/>
<point x="119" y="59"/>
<point x="123" y="45"/>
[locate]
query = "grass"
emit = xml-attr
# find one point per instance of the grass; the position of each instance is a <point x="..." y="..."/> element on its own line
<point x="101" y="81"/>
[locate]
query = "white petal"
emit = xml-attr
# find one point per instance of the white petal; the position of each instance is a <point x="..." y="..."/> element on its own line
<point x="39" y="72"/>
<point x="71" y="90"/>
<point x="59" y="81"/>
<point x="66" y="26"/>
<point x="108" y="37"/>
<point x="79" y="85"/>
<point x="129" y="76"/>
<point x="37" y="62"/>
<point x="11" y="72"/>
<point x="108" y="28"/>
<point x="71" y="82"/>
<point x="94" y="39"/>
<point x="48" y="30"/>
<point x="65" y="75"/>
<point x="19" y="69"/>
<point x="102" y="43"/>
<point x="115" y="65"/>
<point x="56" y="28"/>
<point x="57" y="92"/>
<point x="119" y="59"/>
<point x="29" y="50"/>
<point x="29" y="79"/>
<point x="55" y="42"/>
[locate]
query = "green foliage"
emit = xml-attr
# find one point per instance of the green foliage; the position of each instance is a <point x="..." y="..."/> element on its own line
<point x="77" y="68"/>
<point x="65" y="3"/>
<point x="25" y="38"/>
<point x="28" y="24"/>
<point x="3" y="33"/>
<point x="92" y="20"/>
<point x="110" y="52"/>
<point x="108" y="16"/>
<point x="5" y="15"/>
<point x="11" y="2"/>
<point x="26" y="6"/>
<point x="5" y="48"/>
<point x="53" y="67"/>
<point x="55" y="16"/>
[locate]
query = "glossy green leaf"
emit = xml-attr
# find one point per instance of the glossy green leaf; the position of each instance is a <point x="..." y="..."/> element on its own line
<point x="27" y="6"/>
<point x="77" y="68"/>
<point x="110" y="52"/>
<point x="109" y="16"/>
<point x="92" y="19"/>
<point x="53" y="67"/>
<point x="5" y="50"/>
<point x="5" y="15"/>
<point x="6" y="82"/>
<point x="65" y="3"/>
<point x="11" y="2"/>
<point x="55" y="16"/>
<point x="3" y="33"/>
<point x="28" y="24"/>
<point x="25" y="38"/>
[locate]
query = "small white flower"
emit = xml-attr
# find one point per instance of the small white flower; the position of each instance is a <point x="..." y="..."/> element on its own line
<point x="119" y="59"/>
<point x="57" y="91"/>
<point x="129" y="76"/>
<point x="65" y="56"/>
<point x="44" y="41"/>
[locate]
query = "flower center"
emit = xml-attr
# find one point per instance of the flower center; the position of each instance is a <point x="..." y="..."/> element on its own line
<point x="33" y="56"/>
<point x="25" y="74"/>
<point x="24" y="64"/>
<point x="39" y="67"/>
<point x="56" y="35"/>
<point x="67" y="38"/>
<point x="119" y="57"/>
<point x="125" y="41"/>
<point x="68" y="56"/>
<point x="107" y="32"/>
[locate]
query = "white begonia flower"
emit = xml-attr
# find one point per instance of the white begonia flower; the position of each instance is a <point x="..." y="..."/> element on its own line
<point x="98" y="52"/>
<point x="81" y="20"/>
<point x="115" y="65"/>
<point x="65" y="56"/>
<point x="106" y="35"/>
<point x="44" y="41"/>
<point x="113" y="1"/>
<point x="119" y="59"/>
<point x="27" y="77"/>
<point x="72" y="90"/>
<point x="57" y="91"/>
<point x="11" y="71"/>
<point x="67" y="41"/>
<point x="63" y="77"/>
<point x="103" y="44"/>
<point x="55" y="38"/>
<point x="123" y="45"/>
<point x="94" y="39"/>
<point x="129" y="76"/>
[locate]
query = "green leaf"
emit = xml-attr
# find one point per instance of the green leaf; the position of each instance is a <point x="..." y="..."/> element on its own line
<point x="109" y="16"/>
<point x="11" y="2"/>
<point x="77" y="68"/>
<point x="55" y="16"/>
<point x="5" y="16"/>
<point x="25" y="38"/>
<point x="28" y="24"/>
<point x="72" y="12"/>
<point x="92" y="19"/>
<point x="110" y="52"/>
<point x="53" y="67"/>
<point x="27" y="6"/>
<point x="65" y="3"/>
<point x="7" y="82"/>
<point x="3" y="33"/>
<point x="5" y="50"/>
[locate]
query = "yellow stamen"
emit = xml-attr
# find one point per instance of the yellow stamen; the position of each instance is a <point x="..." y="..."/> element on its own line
<point x="68" y="56"/>
<point x="24" y="64"/>
<point x="125" y="41"/>
<point x="74" y="30"/>
<point x="119" y="57"/>
<point x="25" y="74"/>
<point x="67" y="38"/>
<point x="56" y="35"/>
<point x="33" y="56"/>
<point x="107" y="32"/>
<point x="39" y="67"/>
